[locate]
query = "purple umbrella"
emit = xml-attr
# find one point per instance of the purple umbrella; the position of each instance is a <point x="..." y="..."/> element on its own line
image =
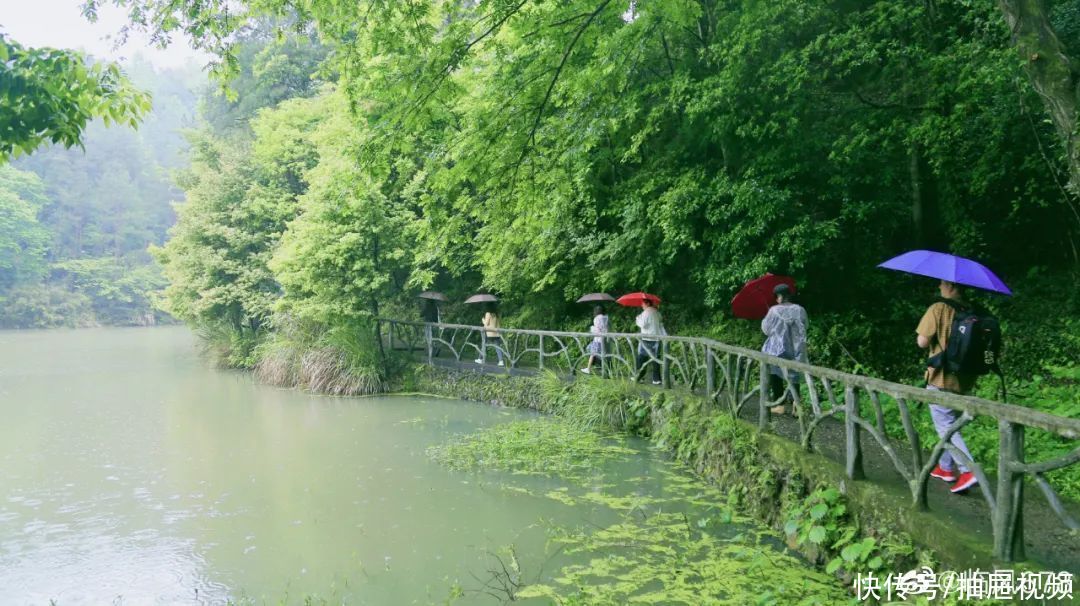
<point x="947" y="267"/>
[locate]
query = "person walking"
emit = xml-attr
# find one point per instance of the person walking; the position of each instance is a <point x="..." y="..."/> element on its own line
<point x="651" y="324"/>
<point x="600" y="325"/>
<point x="431" y="315"/>
<point x="785" y="337"/>
<point x="493" y="338"/>
<point x="932" y="334"/>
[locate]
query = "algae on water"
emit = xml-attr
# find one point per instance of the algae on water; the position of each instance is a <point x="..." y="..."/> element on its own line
<point x="675" y="539"/>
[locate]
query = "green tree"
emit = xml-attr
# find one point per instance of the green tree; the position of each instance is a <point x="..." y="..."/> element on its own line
<point x="348" y="251"/>
<point x="50" y="95"/>
<point x="23" y="240"/>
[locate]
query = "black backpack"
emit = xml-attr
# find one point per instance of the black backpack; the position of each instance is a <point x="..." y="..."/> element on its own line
<point x="974" y="345"/>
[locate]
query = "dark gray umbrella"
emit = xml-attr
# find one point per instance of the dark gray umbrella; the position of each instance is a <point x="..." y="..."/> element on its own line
<point x="600" y="297"/>
<point x="433" y="296"/>
<point x="482" y="298"/>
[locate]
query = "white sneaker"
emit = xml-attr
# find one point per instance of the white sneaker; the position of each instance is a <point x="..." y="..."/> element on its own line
<point x="501" y="363"/>
<point x="479" y="360"/>
<point x="656" y="382"/>
<point x="585" y="370"/>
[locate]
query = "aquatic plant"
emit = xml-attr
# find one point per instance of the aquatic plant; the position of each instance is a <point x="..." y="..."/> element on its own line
<point x="676" y="540"/>
<point x="538" y="446"/>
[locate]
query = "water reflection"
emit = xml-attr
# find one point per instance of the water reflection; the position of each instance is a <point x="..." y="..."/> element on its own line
<point x="131" y="471"/>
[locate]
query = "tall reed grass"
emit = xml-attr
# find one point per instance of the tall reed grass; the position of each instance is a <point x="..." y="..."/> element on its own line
<point x="340" y="361"/>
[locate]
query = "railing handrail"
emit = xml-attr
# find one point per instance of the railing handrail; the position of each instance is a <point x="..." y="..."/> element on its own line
<point x="1062" y="426"/>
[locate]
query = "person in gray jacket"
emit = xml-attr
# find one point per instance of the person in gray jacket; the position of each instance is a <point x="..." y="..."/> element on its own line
<point x="785" y="337"/>
<point x="651" y="324"/>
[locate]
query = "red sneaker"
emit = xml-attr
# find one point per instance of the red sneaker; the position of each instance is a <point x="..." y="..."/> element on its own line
<point x="965" y="481"/>
<point x="943" y="474"/>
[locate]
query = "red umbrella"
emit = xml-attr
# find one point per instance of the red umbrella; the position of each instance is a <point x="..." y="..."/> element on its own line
<point x="756" y="296"/>
<point x="634" y="299"/>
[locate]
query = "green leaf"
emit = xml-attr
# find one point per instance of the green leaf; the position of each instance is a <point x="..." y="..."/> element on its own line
<point x="817" y="535"/>
<point x="852" y="552"/>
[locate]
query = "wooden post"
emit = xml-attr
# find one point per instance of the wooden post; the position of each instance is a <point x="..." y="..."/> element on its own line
<point x="603" y="357"/>
<point x="918" y="489"/>
<point x="430" y="345"/>
<point x="710" y="375"/>
<point x="665" y="366"/>
<point x="763" y="396"/>
<point x="853" y="433"/>
<point x="541" y="352"/>
<point x="1008" y="516"/>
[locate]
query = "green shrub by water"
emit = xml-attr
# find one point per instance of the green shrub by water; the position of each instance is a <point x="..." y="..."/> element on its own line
<point x="342" y="360"/>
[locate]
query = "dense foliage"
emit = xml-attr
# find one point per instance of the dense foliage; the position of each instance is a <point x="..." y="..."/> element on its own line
<point x="76" y="222"/>
<point x="546" y="149"/>
<point x="49" y="96"/>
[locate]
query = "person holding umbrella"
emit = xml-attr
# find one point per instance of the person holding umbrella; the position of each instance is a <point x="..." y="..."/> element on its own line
<point x="600" y="325"/>
<point x="652" y="325"/>
<point x="785" y="337"/>
<point x="431" y="314"/>
<point x="934" y="333"/>
<point x="494" y="338"/>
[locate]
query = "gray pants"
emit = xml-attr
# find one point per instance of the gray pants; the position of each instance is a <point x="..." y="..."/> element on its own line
<point x="943" y="418"/>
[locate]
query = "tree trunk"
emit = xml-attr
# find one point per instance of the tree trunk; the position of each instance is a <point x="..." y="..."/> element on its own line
<point x="916" y="198"/>
<point x="375" y="299"/>
<point x="1053" y="74"/>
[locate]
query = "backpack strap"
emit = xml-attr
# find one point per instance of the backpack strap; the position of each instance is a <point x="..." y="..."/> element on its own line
<point x="938" y="360"/>
<point x="957" y="305"/>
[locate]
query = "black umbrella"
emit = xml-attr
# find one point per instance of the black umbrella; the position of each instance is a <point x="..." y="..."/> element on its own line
<point x="598" y="297"/>
<point x="433" y="296"/>
<point x="482" y="298"/>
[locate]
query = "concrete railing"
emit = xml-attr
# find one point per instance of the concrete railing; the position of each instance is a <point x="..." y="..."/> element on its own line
<point x="735" y="377"/>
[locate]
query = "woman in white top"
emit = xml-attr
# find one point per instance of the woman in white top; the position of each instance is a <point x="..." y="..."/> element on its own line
<point x="600" y="325"/>
<point x="652" y="325"/>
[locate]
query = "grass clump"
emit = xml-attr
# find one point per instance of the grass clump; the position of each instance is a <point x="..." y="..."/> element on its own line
<point x="341" y="361"/>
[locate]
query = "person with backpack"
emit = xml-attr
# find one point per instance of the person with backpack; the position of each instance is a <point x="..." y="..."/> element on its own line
<point x="963" y="343"/>
<point x="785" y="337"/>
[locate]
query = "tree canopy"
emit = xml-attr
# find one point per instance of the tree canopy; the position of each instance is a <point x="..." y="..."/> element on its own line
<point x="49" y="96"/>
<point x="544" y="149"/>
<point x="77" y="222"/>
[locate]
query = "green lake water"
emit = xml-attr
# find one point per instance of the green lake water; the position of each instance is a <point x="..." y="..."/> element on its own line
<point x="132" y="473"/>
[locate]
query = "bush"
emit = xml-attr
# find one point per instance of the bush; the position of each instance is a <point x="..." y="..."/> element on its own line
<point x="45" y="306"/>
<point x="343" y="360"/>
